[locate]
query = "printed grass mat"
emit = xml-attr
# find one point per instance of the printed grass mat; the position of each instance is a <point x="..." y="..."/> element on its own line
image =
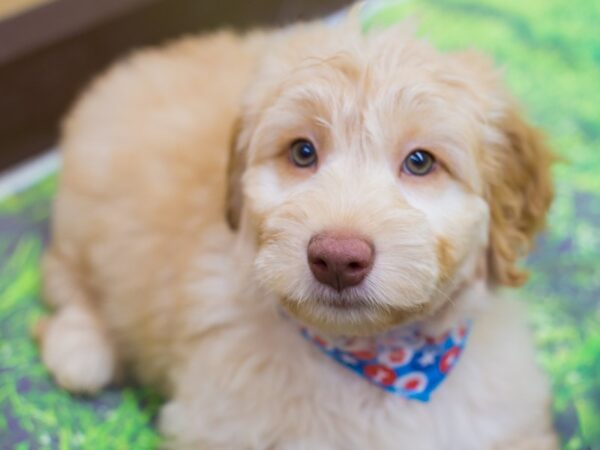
<point x="551" y="53"/>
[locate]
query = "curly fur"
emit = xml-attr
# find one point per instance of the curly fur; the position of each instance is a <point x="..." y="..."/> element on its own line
<point x="170" y="261"/>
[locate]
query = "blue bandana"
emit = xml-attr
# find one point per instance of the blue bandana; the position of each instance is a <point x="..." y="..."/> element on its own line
<point x="404" y="362"/>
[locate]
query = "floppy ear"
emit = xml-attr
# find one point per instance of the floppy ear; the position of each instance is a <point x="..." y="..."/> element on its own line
<point x="519" y="192"/>
<point x="234" y="197"/>
<point x="516" y="172"/>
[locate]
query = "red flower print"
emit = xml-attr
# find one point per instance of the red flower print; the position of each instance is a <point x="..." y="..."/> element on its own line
<point x="380" y="374"/>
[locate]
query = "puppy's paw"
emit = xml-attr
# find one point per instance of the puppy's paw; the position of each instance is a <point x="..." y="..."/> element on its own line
<point x="76" y="351"/>
<point x="548" y="441"/>
<point x="183" y="428"/>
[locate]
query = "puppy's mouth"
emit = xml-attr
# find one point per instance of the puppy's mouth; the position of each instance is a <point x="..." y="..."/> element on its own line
<point x="349" y="315"/>
<point x="339" y="304"/>
<point x="342" y="303"/>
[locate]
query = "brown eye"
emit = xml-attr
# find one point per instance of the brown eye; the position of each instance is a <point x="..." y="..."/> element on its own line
<point x="419" y="163"/>
<point x="303" y="153"/>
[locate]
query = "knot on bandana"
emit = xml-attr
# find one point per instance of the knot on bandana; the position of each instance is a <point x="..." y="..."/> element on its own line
<point x="405" y="361"/>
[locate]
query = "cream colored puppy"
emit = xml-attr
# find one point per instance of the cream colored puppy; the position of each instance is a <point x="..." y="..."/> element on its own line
<point x="374" y="184"/>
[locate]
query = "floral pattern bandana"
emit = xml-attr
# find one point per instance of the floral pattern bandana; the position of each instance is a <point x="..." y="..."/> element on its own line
<point x="404" y="361"/>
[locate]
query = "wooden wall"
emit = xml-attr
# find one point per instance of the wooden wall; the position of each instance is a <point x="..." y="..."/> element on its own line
<point x="48" y="54"/>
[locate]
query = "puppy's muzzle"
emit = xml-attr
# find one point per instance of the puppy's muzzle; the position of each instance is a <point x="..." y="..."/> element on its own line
<point x="340" y="260"/>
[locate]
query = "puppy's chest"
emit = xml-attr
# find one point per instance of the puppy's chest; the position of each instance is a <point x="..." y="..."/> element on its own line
<point x="296" y="390"/>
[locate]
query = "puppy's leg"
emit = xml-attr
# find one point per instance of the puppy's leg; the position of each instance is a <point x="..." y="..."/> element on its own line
<point x="175" y="424"/>
<point x="546" y="441"/>
<point x="74" y="345"/>
<point x="184" y="429"/>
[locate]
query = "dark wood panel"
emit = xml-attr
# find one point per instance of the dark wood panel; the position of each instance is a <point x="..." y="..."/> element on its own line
<point x="40" y="81"/>
<point x="55" y="21"/>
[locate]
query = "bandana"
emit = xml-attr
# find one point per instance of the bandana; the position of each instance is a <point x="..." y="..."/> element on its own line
<point x="404" y="361"/>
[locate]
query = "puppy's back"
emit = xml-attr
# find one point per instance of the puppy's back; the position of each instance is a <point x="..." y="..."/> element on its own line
<point x="144" y="155"/>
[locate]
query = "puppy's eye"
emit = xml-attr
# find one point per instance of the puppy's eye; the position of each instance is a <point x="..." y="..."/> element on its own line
<point x="419" y="162"/>
<point x="303" y="153"/>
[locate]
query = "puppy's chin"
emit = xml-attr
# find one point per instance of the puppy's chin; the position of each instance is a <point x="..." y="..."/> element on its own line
<point x="352" y="317"/>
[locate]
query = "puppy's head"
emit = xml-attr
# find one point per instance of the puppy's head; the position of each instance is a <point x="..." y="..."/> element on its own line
<point x="378" y="177"/>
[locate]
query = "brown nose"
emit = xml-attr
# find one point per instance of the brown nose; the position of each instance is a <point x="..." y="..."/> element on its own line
<point x="339" y="260"/>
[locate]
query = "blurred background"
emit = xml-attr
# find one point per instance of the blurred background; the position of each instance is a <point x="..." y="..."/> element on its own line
<point x="50" y="48"/>
<point x="549" y="51"/>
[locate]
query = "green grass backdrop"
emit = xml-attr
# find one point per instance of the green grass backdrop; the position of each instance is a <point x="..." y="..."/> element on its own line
<point x="550" y="50"/>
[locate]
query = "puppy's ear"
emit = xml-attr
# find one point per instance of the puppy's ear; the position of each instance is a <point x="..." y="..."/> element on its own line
<point x="516" y="165"/>
<point x="519" y="191"/>
<point x="234" y="197"/>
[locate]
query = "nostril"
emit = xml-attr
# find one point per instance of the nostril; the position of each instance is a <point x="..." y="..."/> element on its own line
<point x="320" y="263"/>
<point x="355" y="266"/>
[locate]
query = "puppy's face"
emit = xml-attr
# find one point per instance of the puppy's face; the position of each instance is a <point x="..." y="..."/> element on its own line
<point x="370" y="171"/>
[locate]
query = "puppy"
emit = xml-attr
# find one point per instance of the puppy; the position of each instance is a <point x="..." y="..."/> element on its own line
<point x="376" y="195"/>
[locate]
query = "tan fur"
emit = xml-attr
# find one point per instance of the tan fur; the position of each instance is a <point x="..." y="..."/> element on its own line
<point x="518" y="183"/>
<point x="171" y="264"/>
<point x="444" y="252"/>
<point x="521" y="196"/>
<point x="236" y="166"/>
